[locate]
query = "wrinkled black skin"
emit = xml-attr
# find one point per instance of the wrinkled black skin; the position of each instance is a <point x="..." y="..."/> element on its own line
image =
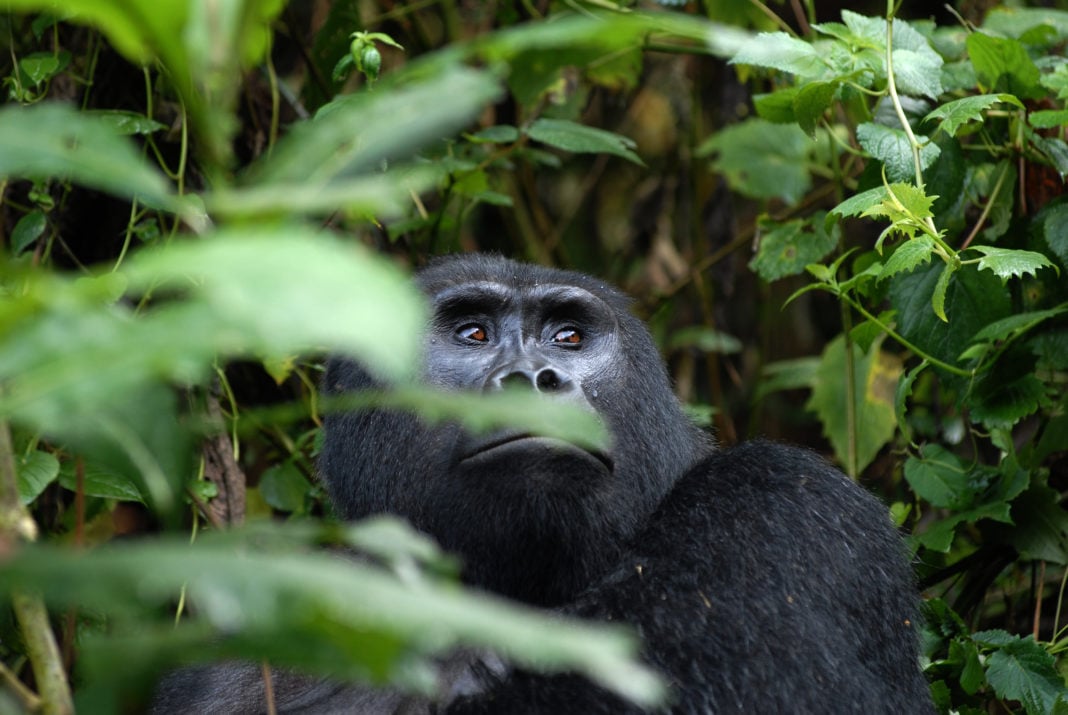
<point x="760" y="579"/>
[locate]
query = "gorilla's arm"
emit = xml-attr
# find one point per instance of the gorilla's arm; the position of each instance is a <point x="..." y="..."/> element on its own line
<point x="766" y="582"/>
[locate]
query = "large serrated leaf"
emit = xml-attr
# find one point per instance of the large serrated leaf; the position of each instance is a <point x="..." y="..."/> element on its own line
<point x="859" y="204"/>
<point x="1010" y="262"/>
<point x="1023" y="670"/>
<point x="892" y="147"/>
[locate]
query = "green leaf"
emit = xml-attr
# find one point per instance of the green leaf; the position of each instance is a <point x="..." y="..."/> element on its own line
<point x="1041" y="532"/>
<point x="811" y="101"/>
<point x="918" y="73"/>
<point x="777" y="50"/>
<point x="1003" y="65"/>
<point x="1052" y="225"/>
<point x="1023" y="670"/>
<point x="50" y="140"/>
<point x="263" y="586"/>
<point x="998" y="401"/>
<point x="901" y="395"/>
<point x="953" y="115"/>
<point x="35" y="472"/>
<point x="285" y="488"/>
<point x="973" y="299"/>
<point x="704" y="339"/>
<point x="939" y="477"/>
<point x="356" y="133"/>
<point x="498" y="134"/>
<point x="1048" y="118"/>
<point x="1015" y="325"/>
<point x="762" y="160"/>
<point x="1009" y="262"/>
<point x="127" y="123"/>
<point x="578" y="138"/>
<point x="28" y="230"/>
<point x="102" y="483"/>
<point x="860" y="203"/>
<point x="892" y="148"/>
<point x="941" y="288"/>
<point x="778" y="106"/>
<point x="283" y="290"/>
<point x="908" y="255"/>
<point x="875" y="380"/>
<point x="938" y="536"/>
<point x="786" y="248"/>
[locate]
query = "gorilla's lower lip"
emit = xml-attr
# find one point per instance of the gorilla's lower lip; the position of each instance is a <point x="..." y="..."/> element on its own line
<point x="500" y="442"/>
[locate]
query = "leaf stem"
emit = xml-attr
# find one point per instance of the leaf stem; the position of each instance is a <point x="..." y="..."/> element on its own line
<point x="891" y="88"/>
<point x="900" y="339"/>
<point x="987" y="208"/>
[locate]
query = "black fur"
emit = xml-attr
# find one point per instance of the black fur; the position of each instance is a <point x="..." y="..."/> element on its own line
<point x="759" y="578"/>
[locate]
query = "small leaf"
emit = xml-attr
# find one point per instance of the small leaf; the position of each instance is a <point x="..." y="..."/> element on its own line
<point x="811" y="101"/>
<point x="939" y="535"/>
<point x="704" y="339"/>
<point x="901" y="395"/>
<point x="1048" y="118"/>
<point x="777" y="50"/>
<point x="1009" y="262"/>
<point x="939" y="477"/>
<point x="35" y="472"/>
<point x="955" y="114"/>
<point x="893" y="149"/>
<point x="579" y="138"/>
<point x="27" y="230"/>
<point x="788" y="247"/>
<point x="941" y="287"/>
<point x="127" y="123"/>
<point x="499" y="134"/>
<point x="908" y="255"/>
<point x="860" y="203"/>
<point x="285" y="488"/>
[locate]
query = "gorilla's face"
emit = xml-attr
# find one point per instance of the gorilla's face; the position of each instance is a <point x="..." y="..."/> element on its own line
<point x="532" y="517"/>
<point x="556" y="340"/>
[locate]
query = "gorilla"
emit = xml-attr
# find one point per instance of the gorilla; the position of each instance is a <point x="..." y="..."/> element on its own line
<point x="759" y="578"/>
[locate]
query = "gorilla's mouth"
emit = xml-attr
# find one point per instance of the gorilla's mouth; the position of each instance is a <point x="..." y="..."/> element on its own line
<point x="514" y="444"/>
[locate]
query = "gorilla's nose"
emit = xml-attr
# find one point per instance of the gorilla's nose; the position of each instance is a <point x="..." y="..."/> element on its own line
<point x="542" y="378"/>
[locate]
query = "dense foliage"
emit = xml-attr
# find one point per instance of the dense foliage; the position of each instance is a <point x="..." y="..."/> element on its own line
<point x="200" y="200"/>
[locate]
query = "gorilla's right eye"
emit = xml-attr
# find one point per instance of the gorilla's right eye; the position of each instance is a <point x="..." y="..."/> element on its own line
<point x="473" y="332"/>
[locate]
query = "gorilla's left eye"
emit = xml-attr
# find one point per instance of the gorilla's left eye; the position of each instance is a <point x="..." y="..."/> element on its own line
<point x="568" y="336"/>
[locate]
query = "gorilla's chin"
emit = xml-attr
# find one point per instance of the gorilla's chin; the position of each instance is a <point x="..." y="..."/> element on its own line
<point x="513" y="452"/>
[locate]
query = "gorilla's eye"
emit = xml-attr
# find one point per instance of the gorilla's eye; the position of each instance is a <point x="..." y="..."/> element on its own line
<point x="568" y="336"/>
<point x="473" y="332"/>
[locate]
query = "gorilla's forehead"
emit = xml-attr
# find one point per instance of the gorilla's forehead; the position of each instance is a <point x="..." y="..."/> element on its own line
<point x="510" y="297"/>
<point x="501" y="278"/>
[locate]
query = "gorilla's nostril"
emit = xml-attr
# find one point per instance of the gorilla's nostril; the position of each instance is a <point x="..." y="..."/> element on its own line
<point x="547" y="381"/>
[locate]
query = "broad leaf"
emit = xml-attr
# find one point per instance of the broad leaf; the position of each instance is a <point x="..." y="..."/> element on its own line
<point x="876" y="374"/>
<point x="939" y="477"/>
<point x="762" y="160"/>
<point x="53" y="140"/>
<point x="1003" y="65"/>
